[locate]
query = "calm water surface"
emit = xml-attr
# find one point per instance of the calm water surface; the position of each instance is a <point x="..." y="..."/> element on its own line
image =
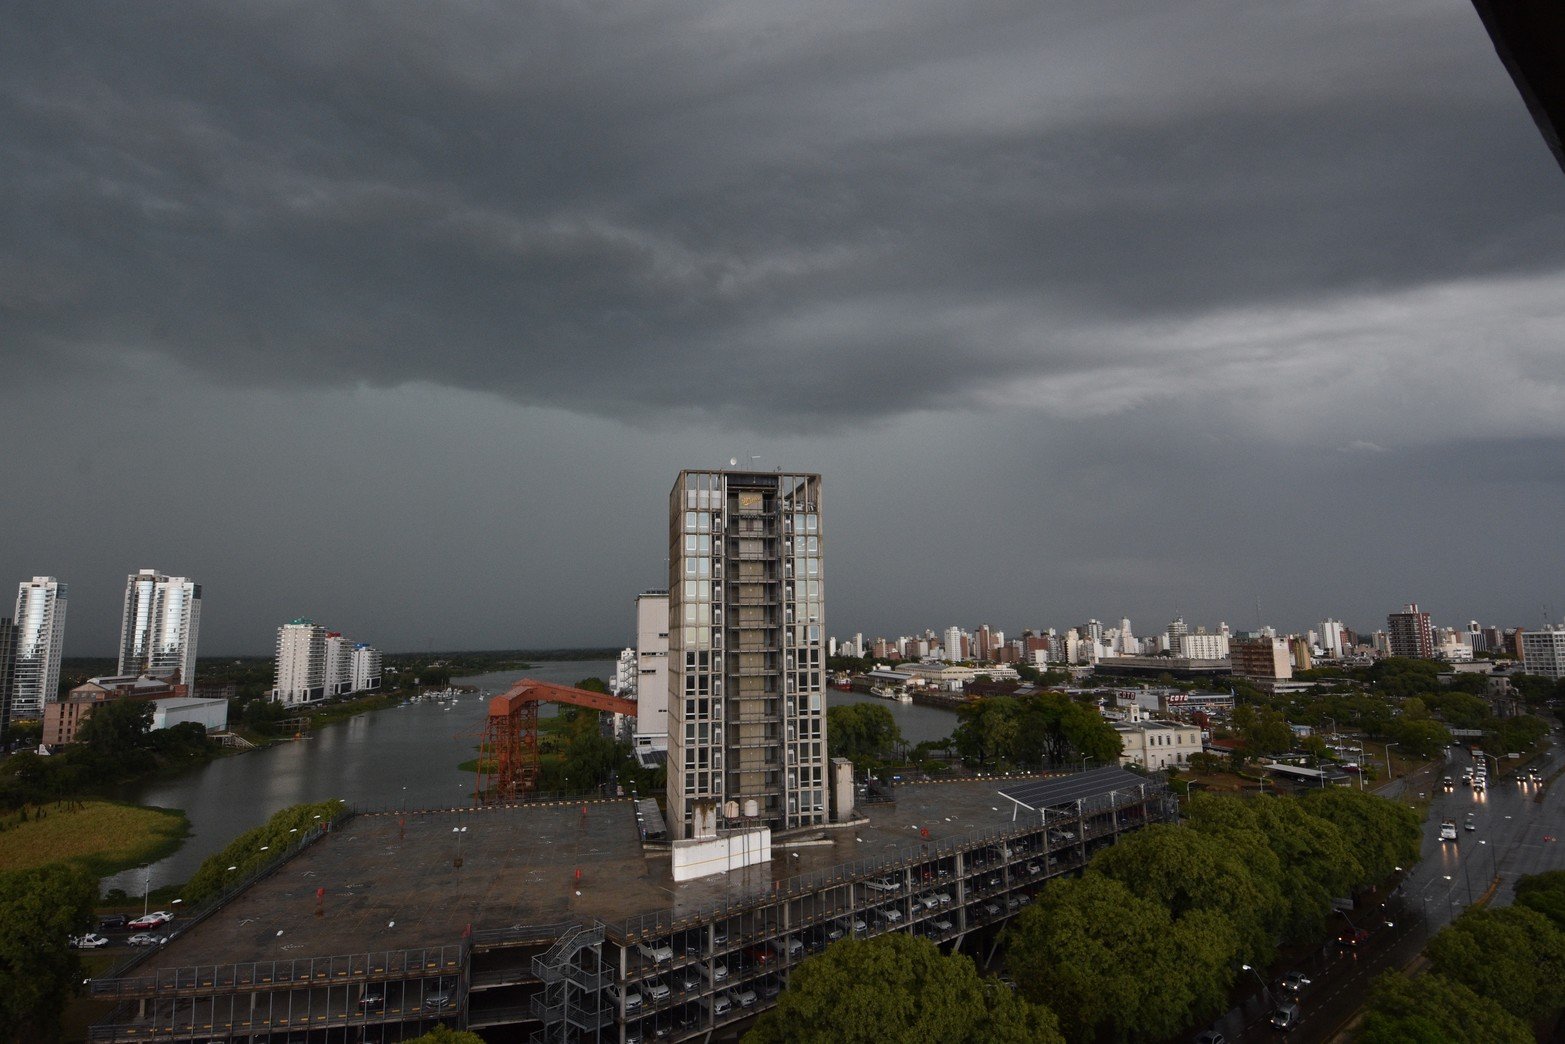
<point x="404" y="756"/>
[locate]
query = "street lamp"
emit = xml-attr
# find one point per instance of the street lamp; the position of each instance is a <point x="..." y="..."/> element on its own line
<point x="1494" y="870"/>
<point x="458" y="831"/>
<point x="1389" y="775"/>
<point x="1265" y="990"/>
<point x="146" y="887"/>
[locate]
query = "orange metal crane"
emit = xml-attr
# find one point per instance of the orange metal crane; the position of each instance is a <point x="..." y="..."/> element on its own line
<point x="508" y="757"/>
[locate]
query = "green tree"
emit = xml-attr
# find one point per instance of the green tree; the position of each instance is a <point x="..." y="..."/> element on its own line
<point x="1514" y="956"/>
<point x="1187" y="870"/>
<point x="1111" y="963"/>
<point x="861" y="732"/>
<point x="1544" y="893"/>
<point x="38" y="910"/>
<point x="896" y="989"/>
<point x="117" y="729"/>
<point x="1431" y="1009"/>
<point x="1421" y="737"/>
<point x="1384" y="834"/>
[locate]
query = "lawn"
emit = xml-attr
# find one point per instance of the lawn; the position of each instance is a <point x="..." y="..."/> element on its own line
<point x="98" y="835"/>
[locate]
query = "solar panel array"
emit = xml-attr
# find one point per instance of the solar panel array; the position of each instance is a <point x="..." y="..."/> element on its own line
<point x="1091" y="788"/>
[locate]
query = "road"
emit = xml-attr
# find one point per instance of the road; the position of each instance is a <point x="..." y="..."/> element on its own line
<point x="1508" y="842"/>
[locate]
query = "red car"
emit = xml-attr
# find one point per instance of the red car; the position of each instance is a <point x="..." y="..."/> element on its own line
<point x="155" y="919"/>
<point x="1353" y="937"/>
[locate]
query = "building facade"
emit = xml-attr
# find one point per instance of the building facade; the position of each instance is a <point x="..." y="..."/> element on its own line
<point x="1157" y="745"/>
<point x="339" y="664"/>
<point x="301" y="663"/>
<point x="651" y="687"/>
<point x="1410" y="633"/>
<point x="1260" y="658"/>
<point x="746" y="663"/>
<point x="1543" y="652"/>
<point x="7" y="661"/>
<point x="40" y="635"/>
<point x="160" y="625"/>
<point x="365" y="668"/>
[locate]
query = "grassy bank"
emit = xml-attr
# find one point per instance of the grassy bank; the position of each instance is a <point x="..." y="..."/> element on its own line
<point x="349" y="708"/>
<point x="100" y="836"/>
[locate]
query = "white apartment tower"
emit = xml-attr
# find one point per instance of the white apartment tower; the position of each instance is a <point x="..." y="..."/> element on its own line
<point x="746" y="663"/>
<point x="159" y="626"/>
<point x="953" y="644"/>
<point x="651" y="689"/>
<point x="339" y="664"/>
<point x="40" y="635"/>
<point x="366" y="668"/>
<point x="301" y="663"/>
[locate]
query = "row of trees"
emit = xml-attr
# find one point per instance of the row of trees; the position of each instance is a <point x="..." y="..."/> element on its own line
<point x="114" y="743"/>
<point x="1148" y="941"/>
<point x="1141" y="946"/>
<point x="1492" y="974"/>
<point x="252" y="850"/>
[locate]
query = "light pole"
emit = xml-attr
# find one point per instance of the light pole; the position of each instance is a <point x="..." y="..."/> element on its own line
<point x="146" y="888"/>
<point x="458" y="831"/>
<point x="1494" y="870"/>
<point x="1265" y="990"/>
<point x="1389" y="775"/>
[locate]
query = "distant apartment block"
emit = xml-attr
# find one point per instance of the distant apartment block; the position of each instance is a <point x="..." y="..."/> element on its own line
<point x="159" y="626"/>
<point x="1260" y="658"/>
<point x="40" y="635"/>
<point x="1410" y="633"/>
<point x="366" y="668"/>
<point x="301" y="663"/>
<point x="747" y="710"/>
<point x="314" y="664"/>
<point x="62" y="718"/>
<point x="1543" y="652"/>
<point x="1202" y="646"/>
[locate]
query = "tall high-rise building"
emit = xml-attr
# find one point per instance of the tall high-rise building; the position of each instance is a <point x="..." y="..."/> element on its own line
<point x="1410" y="633"/>
<point x="747" y="707"/>
<point x="40" y="635"/>
<point x="366" y="668"/>
<point x="953" y="644"/>
<point x="159" y="626"/>
<point x="1331" y="638"/>
<point x="7" y="661"/>
<point x="301" y="663"/>
<point x="339" y="664"/>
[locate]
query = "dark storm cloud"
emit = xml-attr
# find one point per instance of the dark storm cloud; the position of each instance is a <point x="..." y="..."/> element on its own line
<point x="754" y="213"/>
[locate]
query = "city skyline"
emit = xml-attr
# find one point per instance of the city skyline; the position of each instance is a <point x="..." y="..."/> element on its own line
<point x="1135" y="310"/>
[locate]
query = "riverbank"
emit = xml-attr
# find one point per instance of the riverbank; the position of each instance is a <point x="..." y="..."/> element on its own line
<point x="102" y="837"/>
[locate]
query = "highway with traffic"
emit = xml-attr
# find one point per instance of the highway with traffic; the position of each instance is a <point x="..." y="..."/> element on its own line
<point x="1504" y="832"/>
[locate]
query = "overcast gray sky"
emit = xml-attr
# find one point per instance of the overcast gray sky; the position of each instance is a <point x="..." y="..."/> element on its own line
<point x="404" y="317"/>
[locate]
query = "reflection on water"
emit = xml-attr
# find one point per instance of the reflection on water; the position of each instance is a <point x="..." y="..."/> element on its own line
<point x="404" y="756"/>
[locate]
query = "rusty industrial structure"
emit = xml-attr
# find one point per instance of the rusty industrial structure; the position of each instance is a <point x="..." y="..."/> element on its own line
<point x="508" y="757"/>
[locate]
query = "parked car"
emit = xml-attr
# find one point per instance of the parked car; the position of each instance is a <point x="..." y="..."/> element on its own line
<point x="143" y="939"/>
<point x="152" y="920"/>
<point x="371" y="1001"/>
<point x="629" y="994"/>
<point x="438" y="1001"/>
<point x="113" y="923"/>
<point x="88" y="941"/>
<point x="657" y="989"/>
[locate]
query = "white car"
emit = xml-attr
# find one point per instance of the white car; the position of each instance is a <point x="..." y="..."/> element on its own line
<point x="143" y="939"/>
<point x="88" y="941"/>
<point x="151" y="920"/>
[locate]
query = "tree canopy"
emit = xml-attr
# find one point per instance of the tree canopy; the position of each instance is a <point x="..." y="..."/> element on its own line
<point x="1514" y="956"/>
<point x="1431" y="1009"/>
<point x="896" y="989"/>
<point x="1035" y="730"/>
<point x="1384" y="834"/>
<point x="861" y="732"/>
<point x="1109" y="962"/>
<point x="38" y="910"/>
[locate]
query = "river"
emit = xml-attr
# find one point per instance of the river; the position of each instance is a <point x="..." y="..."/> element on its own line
<point x="404" y="756"/>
